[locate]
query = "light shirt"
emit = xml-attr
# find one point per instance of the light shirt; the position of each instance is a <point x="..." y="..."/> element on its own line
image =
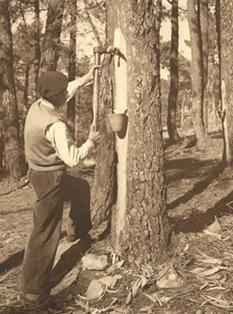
<point x="59" y="135"/>
<point x="74" y="85"/>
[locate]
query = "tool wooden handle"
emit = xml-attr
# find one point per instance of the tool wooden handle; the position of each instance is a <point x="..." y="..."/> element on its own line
<point x="95" y="103"/>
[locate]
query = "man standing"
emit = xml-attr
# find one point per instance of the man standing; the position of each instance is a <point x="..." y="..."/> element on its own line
<point x="48" y="149"/>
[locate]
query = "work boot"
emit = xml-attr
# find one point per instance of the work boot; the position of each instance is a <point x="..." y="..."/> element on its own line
<point x="29" y="305"/>
<point x="70" y="238"/>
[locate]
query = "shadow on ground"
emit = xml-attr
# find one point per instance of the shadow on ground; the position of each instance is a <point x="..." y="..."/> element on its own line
<point x="12" y="261"/>
<point x="200" y="186"/>
<point x="15" y="260"/>
<point x="21" y="210"/>
<point x="188" y="168"/>
<point x="69" y="259"/>
<point x="198" y="221"/>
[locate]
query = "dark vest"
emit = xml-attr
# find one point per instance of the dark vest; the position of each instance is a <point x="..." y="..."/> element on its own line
<point x="39" y="152"/>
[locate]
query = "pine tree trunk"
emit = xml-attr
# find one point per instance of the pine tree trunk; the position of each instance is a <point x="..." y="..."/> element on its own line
<point x="9" y="111"/>
<point x="204" y="20"/>
<point x="174" y="75"/>
<point x="104" y="189"/>
<point x="37" y="52"/>
<point x="204" y="23"/>
<point x="26" y="85"/>
<point x="140" y="228"/>
<point x="226" y="33"/>
<point x="72" y="61"/>
<point x="51" y="43"/>
<point x="197" y="74"/>
<point x="1" y="142"/>
<point x="213" y="83"/>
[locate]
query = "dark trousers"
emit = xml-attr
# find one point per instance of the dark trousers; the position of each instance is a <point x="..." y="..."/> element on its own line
<point x="52" y="188"/>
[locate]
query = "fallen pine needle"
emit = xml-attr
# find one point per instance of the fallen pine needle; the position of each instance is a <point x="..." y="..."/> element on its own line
<point x="211" y="271"/>
<point x="216" y="302"/>
<point x="215" y="288"/>
<point x="153" y="299"/>
<point x="84" y="306"/>
<point x="216" y="235"/>
<point x="112" y="291"/>
<point x="192" y="300"/>
<point x="204" y="286"/>
<point x="110" y="307"/>
<point x="6" y="275"/>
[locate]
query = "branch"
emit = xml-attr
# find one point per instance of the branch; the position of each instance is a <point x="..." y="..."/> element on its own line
<point x="182" y="9"/>
<point x="22" y="13"/>
<point x="93" y="27"/>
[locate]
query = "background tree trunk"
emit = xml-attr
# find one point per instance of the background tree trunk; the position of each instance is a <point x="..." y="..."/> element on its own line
<point x="226" y="63"/>
<point x="174" y="75"/>
<point x="140" y="227"/>
<point x="9" y="110"/>
<point x="37" y="52"/>
<point x="26" y="85"/>
<point x="51" y="43"/>
<point x="204" y="24"/>
<point x="104" y="189"/>
<point x="72" y="61"/>
<point x="197" y="74"/>
<point x="204" y="21"/>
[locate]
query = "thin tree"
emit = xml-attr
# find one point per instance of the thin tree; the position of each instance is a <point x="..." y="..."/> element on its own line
<point x="197" y="73"/>
<point x="26" y="85"/>
<point x="174" y="74"/>
<point x="37" y="35"/>
<point x="224" y="10"/>
<point x="91" y="23"/>
<point x="23" y="54"/>
<point x="9" y="111"/>
<point x="72" y="60"/>
<point x="204" y="30"/>
<point x="51" y="42"/>
<point x="23" y="47"/>
<point x="204" y="24"/>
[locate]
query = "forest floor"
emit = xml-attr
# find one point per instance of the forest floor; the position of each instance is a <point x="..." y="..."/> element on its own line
<point x="198" y="278"/>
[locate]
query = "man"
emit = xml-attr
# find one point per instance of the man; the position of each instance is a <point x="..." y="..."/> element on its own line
<point x="48" y="149"/>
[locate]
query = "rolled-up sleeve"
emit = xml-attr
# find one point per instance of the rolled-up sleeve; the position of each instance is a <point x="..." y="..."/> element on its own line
<point x="74" y="85"/>
<point x="64" y="146"/>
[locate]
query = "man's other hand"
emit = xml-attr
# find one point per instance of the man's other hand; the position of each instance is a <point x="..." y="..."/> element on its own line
<point x="94" y="135"/>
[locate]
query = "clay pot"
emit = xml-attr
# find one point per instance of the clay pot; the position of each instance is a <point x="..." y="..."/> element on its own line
<point x="118" y="121"/>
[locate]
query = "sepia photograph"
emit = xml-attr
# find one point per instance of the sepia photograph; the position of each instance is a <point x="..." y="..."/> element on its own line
<point x="116" y="154"/>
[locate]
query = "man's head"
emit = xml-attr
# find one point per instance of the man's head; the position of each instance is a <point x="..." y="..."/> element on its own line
<point x="52" y="86"/>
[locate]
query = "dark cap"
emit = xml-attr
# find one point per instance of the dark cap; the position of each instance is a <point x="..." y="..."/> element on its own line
<point x="51" y="83"/>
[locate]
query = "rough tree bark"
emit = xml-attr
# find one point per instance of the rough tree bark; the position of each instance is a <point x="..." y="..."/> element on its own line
<point x="1" y="140"/>
<point x="197" y="74"/>
<point x="226" y="62"/>
<point x="51" y="42"/>
<point x="9" y="110"/>
<point x="104" y="189"/>
<point x="72" y="61"/>
<point x="174" y="75"/>
<point x="140" y="228"/>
